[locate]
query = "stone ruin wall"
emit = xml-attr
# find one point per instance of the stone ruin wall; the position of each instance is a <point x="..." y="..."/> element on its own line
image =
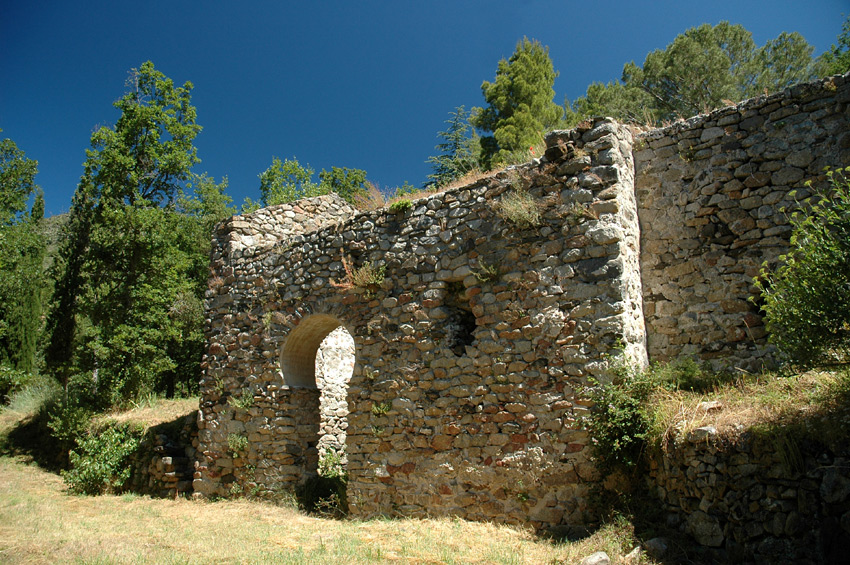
<point x="334" y="367"/>
<point x="714" y="203"/>
<point x="465" y="397"/>
<point x="754" y="498"/>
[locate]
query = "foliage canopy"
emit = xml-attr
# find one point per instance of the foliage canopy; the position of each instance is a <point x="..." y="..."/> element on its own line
<point x="127" y="308"/>
<point x="836" y="59"/>
<point x="22" y="280"/>
<point x="703" y="68"/>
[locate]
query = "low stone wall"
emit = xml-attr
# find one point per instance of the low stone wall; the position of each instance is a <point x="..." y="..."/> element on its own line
<point x="714" y="198"/>
<point x="164" y="463"/>
<point x="756" y="498"/>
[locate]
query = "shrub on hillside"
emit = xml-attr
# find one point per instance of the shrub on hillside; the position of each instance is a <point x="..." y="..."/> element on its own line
<point x="101" y="461"/>
<point x="623" y="419"/>
<point x="807" y="298"/>
<point x="12" y="381"/>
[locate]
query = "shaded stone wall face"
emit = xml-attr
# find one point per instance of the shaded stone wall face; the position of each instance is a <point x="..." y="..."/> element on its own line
<point x="755" y="500"/>
<point x="163" y="464"/>
<point x="714" y="203"/>
<point x="470" y="353"/>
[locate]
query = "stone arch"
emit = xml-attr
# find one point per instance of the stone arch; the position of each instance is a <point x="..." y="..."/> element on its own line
<point x="298" y="352"/>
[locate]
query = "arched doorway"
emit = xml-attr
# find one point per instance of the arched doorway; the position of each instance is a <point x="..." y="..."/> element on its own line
<point x="319" y="354"/>
<point x="334" y="367"/>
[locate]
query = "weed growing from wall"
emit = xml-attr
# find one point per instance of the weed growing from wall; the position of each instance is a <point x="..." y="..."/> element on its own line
<point x="381" y="408"/>
<point x="362" y="277"/>
<point x="237" y="444"/>
<point x="243" y="401"/>
<point x="486" y="272"/>
<point x="401" y="205"/>
<point x="577" y="213"/>
<point x="520" y="208"/>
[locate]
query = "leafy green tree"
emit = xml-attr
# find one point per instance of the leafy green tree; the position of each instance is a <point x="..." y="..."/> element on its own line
<point x="207" y="202"/>
<point x="458" y="150"/>
<point x="836" y="60"/>
<point x="22" y="281"/>
<point x="17" y="181"/>
<point x="288" y="180"/>
<point x="285" y="181"/>
<point x="128" y="265"/>
<point x="702" y="69"/>
<point x="520" y="103"/>
<point x="348" y="183"/>
<point x="807" y="298"/>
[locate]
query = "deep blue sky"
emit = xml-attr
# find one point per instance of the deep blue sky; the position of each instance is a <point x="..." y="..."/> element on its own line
<point x="363" y="84"/>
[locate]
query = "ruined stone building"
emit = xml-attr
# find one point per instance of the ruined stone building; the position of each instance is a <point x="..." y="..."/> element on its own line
<point x="475" y="328"/>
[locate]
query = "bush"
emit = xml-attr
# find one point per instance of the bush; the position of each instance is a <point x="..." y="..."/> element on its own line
<point x="619" y="423"/>
<point x="624" y="420"/>
<point x="12" y="381"/>
<point x="326" y="493"/>
<point x="807" y="298"/>
<point x="402" y="205"/>
<point x="101" y="461"/>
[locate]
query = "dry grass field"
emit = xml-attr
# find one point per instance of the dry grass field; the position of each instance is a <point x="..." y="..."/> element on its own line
<point x="41" y="523"/>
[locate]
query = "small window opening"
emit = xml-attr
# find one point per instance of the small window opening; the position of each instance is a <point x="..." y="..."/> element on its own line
<point x="460" y="323"/>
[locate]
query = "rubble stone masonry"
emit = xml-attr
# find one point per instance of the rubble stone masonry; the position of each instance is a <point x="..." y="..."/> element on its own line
<point x="477" y="333"/>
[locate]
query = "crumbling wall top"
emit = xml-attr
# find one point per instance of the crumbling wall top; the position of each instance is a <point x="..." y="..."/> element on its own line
<point x="248" y="234"/>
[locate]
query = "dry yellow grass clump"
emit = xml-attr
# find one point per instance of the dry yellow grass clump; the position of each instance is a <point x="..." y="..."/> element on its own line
<point x="753" y="401"/>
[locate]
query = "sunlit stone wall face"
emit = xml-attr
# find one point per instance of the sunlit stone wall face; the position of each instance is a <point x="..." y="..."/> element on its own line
<point x="478" y="330"/>
<point x="469" y="351"/>
<point x="334" y="366"/>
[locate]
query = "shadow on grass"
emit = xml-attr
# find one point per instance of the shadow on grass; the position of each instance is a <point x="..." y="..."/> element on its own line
<point x="32" y="438"/>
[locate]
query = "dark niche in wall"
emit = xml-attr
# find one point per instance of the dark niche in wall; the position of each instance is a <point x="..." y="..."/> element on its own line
<point x="460" y="322"/>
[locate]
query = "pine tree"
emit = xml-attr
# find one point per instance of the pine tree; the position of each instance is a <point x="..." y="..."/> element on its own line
<point x="458" y="151"/>
<point x="704" y="68"/>
<point x="520" y="103"/>
<point x="22" y="281"/>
